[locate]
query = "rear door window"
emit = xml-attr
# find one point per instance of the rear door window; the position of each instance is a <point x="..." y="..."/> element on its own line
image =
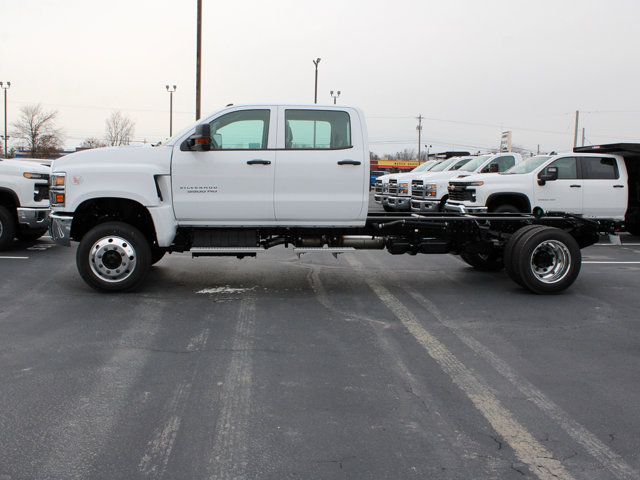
<point x="597" y="168"/>
<point x="317" y="129"/>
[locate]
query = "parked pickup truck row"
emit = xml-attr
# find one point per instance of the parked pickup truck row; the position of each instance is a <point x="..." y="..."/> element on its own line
<point x="250" y="178"/>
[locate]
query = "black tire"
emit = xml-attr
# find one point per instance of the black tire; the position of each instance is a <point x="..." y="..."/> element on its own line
<point x="31" y="235"/>
<point x="553" y="248"/>
<point x="157" y="254"/>
<point x="509" y="251"/>
<point x="127" y="247"/>
<point x="489" y="262"/>
<point x="387" y="208"/>
<point x="506" y="208"/>
<point x="7" y="228"/>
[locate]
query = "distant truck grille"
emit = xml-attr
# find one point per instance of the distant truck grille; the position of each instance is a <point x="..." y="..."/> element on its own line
<point x="378" y="187"/>
<point x="417" y="189"/>
<point x="393" y="187"/>
<point x="461" y="193"/>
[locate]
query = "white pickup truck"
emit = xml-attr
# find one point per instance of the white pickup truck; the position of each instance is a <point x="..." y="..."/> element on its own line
<point x="249" y="178"/>
<point x="381" y="189"/>
<point x="594" y="185"/>
<point x="429" y="192"/>
<point x="24" y="200"/>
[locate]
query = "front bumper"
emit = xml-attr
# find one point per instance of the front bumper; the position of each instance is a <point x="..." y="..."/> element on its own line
<point x="60" y="226"/>
<point x="425" y="206"/>
<point x="399" y="203"/>
<point x="378" y="197"/>
<point x="33" y="218"/>
<point x="461" y="208"/>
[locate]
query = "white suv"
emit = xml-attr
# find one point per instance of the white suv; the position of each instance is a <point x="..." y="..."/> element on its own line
<point x="585" y="184"/>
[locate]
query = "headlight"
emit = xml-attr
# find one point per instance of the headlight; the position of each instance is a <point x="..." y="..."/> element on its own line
<point x="35" y="176"/>
<point x="403" y="188"/>
<point x="431" y="189"/>
<point x="479" y="183"/>
<point x="58" y="179"/>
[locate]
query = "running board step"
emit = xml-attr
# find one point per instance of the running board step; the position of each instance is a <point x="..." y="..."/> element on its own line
<point x="226" y="251"/>
<point x="332" y="250"/>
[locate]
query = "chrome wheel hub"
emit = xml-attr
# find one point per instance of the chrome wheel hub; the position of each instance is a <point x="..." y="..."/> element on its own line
<point x="550" y="261"/>
<point x="113" y="259"/>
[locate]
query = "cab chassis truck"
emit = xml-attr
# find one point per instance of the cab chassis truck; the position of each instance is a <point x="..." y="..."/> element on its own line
<point x="194" y="203"/>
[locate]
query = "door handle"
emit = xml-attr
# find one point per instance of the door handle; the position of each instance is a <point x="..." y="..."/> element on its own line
<point x="258" y="161"/>
<point x="575" y="186"/>
<point x="349" y="162"/>
<point x="618" y="186"/>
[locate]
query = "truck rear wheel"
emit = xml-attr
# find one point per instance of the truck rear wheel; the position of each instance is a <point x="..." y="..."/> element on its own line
<point x="546" y="260"/>
<point x="7" y="228"/>
<point x="486" y="262"/>
<point x="114" y="257"/>
<point x="509" y="250"/>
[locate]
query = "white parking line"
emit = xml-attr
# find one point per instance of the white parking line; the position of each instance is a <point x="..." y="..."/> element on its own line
<point x="15" y="258"/>
<point x="611" y="263"/>
<point x="615" y="245"/>
<point x="527" y="448"/>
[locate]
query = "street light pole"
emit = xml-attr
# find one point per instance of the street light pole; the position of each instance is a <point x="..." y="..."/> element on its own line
<point x="6" y="137"/>
<point x="171" y="90"/>
<point x="335" y="97"/>
<point x="315" y="95"/>
<point x="419" y="129"/>
<point x="428" y="147"/>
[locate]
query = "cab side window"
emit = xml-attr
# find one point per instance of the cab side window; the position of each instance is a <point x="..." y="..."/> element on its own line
<point x="596" y="168"/>
<point x="241" y="130"/>
<point x="567" y="168"/>
<point x="505" y="162"/>
<point x="317" y="130"/>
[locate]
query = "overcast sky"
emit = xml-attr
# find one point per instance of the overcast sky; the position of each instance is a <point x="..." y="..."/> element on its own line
<point x="472" y="68"/>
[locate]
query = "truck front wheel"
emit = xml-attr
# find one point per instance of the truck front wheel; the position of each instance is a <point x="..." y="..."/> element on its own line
<point x="7" y="228"/>
<point x="546" y="260"/>
<point x="114" y="257"/>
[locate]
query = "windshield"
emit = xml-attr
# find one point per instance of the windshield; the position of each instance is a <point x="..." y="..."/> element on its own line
<point x="459" y="162"/>
<point x="443" y="165"/>
<point x="424" y="166"/>
<point x="473" y="165"/>
<point x="528" y="165"/>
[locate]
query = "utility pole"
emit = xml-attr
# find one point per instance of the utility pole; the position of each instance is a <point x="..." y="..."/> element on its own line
<point x="335" y="97"/>
<point x="419" y="129"/>
<point x="6" y="136"/>
<point x="198" y="58"/>
<point x="315" y="95"/>
<point x="171" y="90"/>
<point x="583" y="136"/>
<point x="538" y="153"/>
<point x="575" y="131"/>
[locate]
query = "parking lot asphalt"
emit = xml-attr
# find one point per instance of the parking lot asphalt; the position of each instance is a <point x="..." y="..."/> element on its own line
<point x="369" y="366"/>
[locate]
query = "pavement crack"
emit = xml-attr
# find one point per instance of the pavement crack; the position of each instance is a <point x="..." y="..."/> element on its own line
<point x="499" y="442"/>
<point x="517" y="469"/>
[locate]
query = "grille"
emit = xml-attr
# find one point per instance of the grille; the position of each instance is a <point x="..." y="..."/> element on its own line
<point x="378" y="187"/>
<point x="461" y="193"/>
<point x="417" y="189"/>
<point x="393" y="187"/>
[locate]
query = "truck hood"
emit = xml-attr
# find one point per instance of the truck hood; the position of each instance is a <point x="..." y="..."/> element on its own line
<point x="21" y="166"/>
<point x="140" y="157"/>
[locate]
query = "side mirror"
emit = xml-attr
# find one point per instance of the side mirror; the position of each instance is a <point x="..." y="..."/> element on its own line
<point x="200" y="141"/>
<point x="547" y="175"/>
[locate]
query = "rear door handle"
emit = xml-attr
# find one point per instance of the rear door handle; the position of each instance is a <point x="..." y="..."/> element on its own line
<point x="575" y="186"/>
<point x="349" y="162"/>
<point x="259" y="161"/>
<point x="618" y="186"/>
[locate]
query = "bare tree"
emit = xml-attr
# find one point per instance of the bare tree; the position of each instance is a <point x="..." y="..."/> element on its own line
<point x="119" y="129"/>
<point x="92" y="142"/>
<point x="37" y="131"/>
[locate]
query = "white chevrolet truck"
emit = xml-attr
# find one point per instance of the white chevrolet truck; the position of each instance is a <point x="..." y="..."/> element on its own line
<point x="590" y="182"/>
<point x="24" y="200"/>
<point x="429" y="193"/>
<point x="249" y="178"/>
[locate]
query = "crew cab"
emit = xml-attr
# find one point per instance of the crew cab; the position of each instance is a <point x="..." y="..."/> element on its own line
<point x="24" y="200"/>
<point x="430" y="192"/>
<point x="387" y="185"/>
<point x="249" y="178"/>
<point x="592" y="185"/>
